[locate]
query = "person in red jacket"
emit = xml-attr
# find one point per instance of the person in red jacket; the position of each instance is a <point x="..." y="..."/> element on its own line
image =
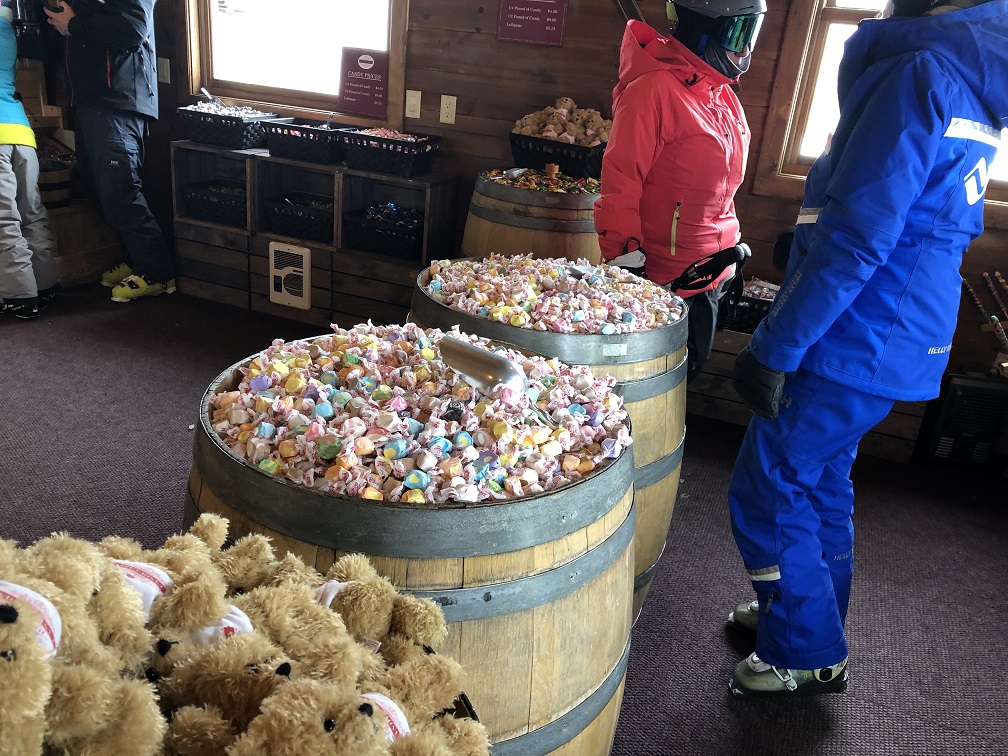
<point x="677" y="151"/>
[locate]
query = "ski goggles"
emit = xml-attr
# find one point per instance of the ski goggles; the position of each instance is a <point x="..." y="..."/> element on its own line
<point x="738" y="32"/>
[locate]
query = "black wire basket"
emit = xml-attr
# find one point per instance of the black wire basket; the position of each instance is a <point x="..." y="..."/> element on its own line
<point x="223" y="130"/>
<point x="216" y="201"/>
<point x="400" y="157"/>
<point x="302" y="215"/>
<point x="304" y="139"/>
<point x="574" y="159"/>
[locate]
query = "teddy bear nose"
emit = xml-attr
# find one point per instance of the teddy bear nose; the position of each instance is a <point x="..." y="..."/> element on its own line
<point x="8" y="614"/>
<point x="284" y="669"/>
<point x="366" y="709"/>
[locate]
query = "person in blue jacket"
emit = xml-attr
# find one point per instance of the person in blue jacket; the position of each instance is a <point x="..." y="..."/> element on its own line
<point x="27" y="268"/>
<point x="112" y="77"/>
<point x="865" y="316"/>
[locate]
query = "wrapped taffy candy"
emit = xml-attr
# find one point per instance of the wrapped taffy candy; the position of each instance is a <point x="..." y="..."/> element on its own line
<point x="373" y="412"/>
<point x="553" y="294"/>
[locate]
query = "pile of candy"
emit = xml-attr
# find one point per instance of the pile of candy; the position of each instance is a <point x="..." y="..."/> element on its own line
<point x="373" y="412"/>
<point x="530" y="178"/>
<point x="389" y="212"/>
<point x="553" y="295"/>
<point x="760" y="289"/>
<point x="388" y="134"/>
<point x="234" y="111"/>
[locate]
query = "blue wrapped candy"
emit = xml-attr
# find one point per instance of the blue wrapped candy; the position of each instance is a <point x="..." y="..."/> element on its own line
<point x="266" y="430"/>
<point x="324" y="410"/>
<point x="417" y="480"/>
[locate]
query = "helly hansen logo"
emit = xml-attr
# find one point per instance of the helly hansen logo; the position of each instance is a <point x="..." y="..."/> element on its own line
<point x="976" y="182"/>
<point x="940" y="350"/>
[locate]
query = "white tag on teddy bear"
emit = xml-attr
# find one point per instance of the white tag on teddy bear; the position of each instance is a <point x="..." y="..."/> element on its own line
<point x="50" y="626"/>
<point x="397" y="726"/>
<point x="232" y="623"/>
<point x="149" y="581"/>
<point x="326" y="592"/>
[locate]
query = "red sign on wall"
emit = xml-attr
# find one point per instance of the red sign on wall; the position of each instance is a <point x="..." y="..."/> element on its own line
<point x="364" y="86"/>
<point x="538" y="22"/>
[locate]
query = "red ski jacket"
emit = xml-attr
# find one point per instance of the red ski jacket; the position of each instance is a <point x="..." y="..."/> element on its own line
<point x="676" y="155"/>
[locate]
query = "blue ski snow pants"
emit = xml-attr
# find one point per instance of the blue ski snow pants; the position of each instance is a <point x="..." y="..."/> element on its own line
<point x="792" y="502"/>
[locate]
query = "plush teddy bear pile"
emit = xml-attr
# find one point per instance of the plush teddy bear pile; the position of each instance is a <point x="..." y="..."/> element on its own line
<point x="565" y="121"/>
<point x="206" y="646"/>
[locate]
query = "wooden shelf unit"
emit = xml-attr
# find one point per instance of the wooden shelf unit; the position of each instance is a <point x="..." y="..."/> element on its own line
<point x="230" y="263"/>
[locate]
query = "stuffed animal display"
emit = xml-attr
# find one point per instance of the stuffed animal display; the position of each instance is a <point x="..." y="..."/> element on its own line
<point x="565" y="121"/>
<point x="205" y="646"/>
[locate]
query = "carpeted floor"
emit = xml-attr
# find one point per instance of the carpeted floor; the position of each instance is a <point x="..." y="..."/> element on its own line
<point x="99" y="400"/>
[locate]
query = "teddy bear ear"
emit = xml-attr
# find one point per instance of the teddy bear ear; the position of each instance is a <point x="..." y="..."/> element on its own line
<point x="351" y="567"/>
<point x="419" y="619"/>
<point x="212" y="529"/>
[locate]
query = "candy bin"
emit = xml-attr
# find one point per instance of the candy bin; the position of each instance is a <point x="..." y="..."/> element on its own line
<point x="618" y="324"/>
<point x="510" y="504"/>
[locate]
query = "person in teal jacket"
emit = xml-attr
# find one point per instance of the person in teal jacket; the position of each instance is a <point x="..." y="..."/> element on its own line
<point x="865" y="316"/>
<point x="27" y="269"/>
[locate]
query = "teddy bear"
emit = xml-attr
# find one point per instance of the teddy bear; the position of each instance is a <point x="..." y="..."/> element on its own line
<point x="26" y="638"/>
<point x="375" y="612"/>
<point x="566" y="104"/>
<point x="318" y="716"/>
<point x="314" y="717"/>
<point x="182" y="592"/>
<point x="233" y="675"/>
<point x="92" y="710"/>
<point x="310" y="633"/>
<point x="250" y="562"/>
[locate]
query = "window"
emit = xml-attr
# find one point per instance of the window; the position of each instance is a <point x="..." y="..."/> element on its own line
<point x="805" y="89"/>
<point x="287" y="55"/>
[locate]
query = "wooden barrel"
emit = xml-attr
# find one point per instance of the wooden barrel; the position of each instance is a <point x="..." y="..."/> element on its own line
<point x="510" y="220"/>
<point x="650" y="372"/>
<point x="55" y="182"/>
<point x="537" y="591"/>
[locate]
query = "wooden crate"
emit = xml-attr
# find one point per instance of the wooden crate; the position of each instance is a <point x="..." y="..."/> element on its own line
<point x="85" y="245"/>
<point x="371" y="288"/>
<point x="711" y="394"/>
<point x="212" y="262"/>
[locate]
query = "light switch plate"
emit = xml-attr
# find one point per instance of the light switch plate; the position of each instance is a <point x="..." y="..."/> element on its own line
<point x="163" y="71"/>
<point x="412" y="103"/>
<point x="447" y="108"/>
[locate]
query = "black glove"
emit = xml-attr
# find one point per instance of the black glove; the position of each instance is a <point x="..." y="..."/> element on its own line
<point x="759" y="386"/>
<point x="632" y="259"/>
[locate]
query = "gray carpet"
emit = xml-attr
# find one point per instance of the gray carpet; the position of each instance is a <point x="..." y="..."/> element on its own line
<point x="98" y="400"/>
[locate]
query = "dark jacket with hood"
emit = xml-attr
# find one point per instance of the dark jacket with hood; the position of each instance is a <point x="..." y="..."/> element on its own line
<point x="871" y="295"/>
<point x="110" y="55"/>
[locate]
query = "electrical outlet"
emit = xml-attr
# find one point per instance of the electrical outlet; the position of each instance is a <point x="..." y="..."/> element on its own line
<point x="447" y="108"/>
<point x="412" y="103"/>
<point x="163" y="71"/>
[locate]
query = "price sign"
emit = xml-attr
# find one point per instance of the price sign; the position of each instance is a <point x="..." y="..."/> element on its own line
<point x="364" y="86"/>
<point x="537" y="22"/>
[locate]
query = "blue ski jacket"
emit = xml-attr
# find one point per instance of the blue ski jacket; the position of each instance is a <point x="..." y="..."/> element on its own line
<point x="871" y="294"/>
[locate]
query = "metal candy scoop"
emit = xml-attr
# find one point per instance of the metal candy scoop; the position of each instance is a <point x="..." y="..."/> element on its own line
<point x="484" y="370"/>
<point x="481" y="368"/>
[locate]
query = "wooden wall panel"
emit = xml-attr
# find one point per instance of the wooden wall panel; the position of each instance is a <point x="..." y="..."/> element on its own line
<point x="452" y="49"/>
